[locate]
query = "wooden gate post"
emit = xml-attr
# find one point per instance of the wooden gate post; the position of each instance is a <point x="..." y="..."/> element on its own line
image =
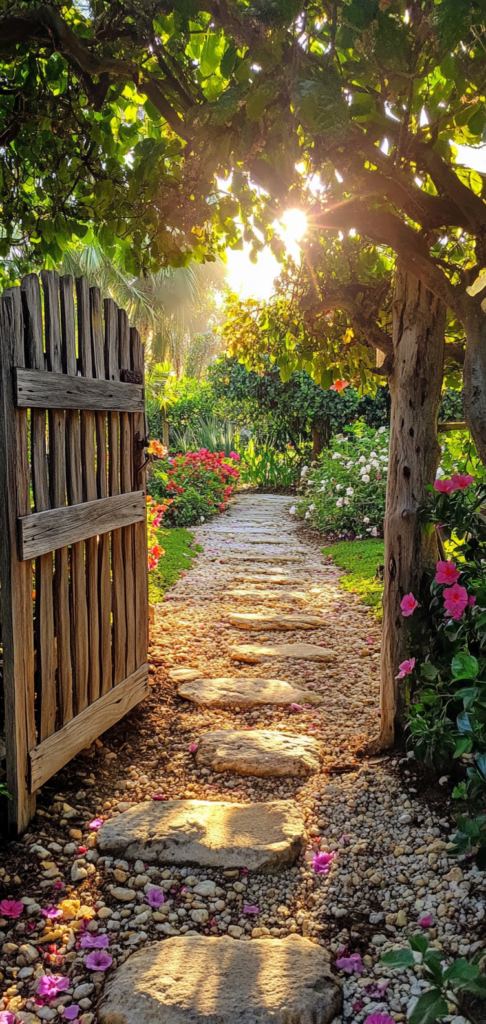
<point x="16" y="576"/>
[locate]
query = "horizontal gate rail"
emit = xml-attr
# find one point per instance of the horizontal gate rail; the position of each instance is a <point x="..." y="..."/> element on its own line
<point x="47" y="531"/>
<point x="38" y="389"/>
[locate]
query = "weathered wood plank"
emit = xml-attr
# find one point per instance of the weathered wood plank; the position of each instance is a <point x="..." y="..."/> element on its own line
<point x="79" y="608"/>
<point x="57" y="485"/>
<point x="88" y="428"/>
<point x="126" y="456"/>
<point x="51" y="755"/>
<point x="112" y="368"/>
<point x="44" y="601"/>
<point x="37" y="389"/>
<point x="57" y="527"/>
<point x="140" y="530"/>
<point x="17" y="619"/>
<point x="104" y="581"/>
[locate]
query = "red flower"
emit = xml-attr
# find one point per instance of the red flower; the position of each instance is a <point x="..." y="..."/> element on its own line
<point x="339" y="385"/>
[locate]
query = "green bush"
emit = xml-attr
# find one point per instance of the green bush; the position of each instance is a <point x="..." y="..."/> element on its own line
<point x="361" y="559"/>
<point x="175" y="560"/>
<point x="264" y="466"/>
<point x="199" y="485"/>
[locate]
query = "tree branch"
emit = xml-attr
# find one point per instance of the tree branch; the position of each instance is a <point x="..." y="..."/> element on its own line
<point x="444" y="175"/>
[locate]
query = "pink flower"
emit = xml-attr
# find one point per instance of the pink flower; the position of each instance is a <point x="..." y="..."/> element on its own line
<point x="447" y="572"/>
<point x="11" y="908"/>
<point x="50" y="984"/>
<point x="250" y="909"/>
<point x="158" y="796"/>
<point x="406" y="668"/>
<point x="444" y="486"/>
<point x="95" y="824"/>
<point x="350" y="964"/>
<point x="296" y="707"/>
<point x="471" y="601"/>
<point x="98" y="961"/>
<point x="426" y="920"/>
<point x="58" y="884"/>
<point x="408" y="604"/>
<point x="52" y="913"/>
<point x="7" y="1017"/>
<point x="193" y="747"/>
<point x="89" y="941"/>
<point x="234" y="455"/>
<point x="357" y="1005"/>
<point x="71" y="1012"/>
<point x="455" y="598"/>
<point x="461" y="481"/>
<point x="155" y="897"/>
<point x="322" y="862"/>
<point x="379" y="1018"/>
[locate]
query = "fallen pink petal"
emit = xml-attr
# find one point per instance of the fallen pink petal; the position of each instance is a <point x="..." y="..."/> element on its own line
<point x="155" y="897"/>
<point x="89" y="941"/>
<point x="426" y="920"/>
<point x="193" y="747"/>
<point x="350" y="964"/>
<point x="71" y="1012"/>
<point x="158" y="796"/>
<point x="52" y="913"/>
<point x="11" y="908"/>
<point x="250" y="909"/>
<point x="322" y="862"/>
<point x="379" y="1018"/>
<point x="95" y="824"/>
<point x="6" y="1017"/>
<point x="98" y="961"/>
<point x="50" y="984"/>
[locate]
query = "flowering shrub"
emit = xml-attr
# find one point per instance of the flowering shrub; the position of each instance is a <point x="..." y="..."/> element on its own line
<point x="447" y="717"/>
<point x="345" y="494"/>
<point x="155" y="512"/>
<point x="196" y="484"/>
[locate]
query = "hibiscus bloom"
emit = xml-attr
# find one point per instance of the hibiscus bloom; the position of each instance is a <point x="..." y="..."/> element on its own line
<point x="444" y="486"/>
<point x="405" y="668"/>
<point x="461" y="481"/>
<point x="447" y="572"/>
<point x="339" y="385"/>
<point x="408" y="604"/>
<point x="455" y="600"/>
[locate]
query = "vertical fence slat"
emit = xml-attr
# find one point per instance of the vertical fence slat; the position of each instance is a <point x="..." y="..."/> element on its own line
<point x="88" y="428"/>
<point x="79" y="610"/>
<point x="140" y="529"/>
<point x="126" y="484"/>
<point x="112" y="365"/>
<point x="44" y="601"/>
<point x="57" y="481"/>
<point x="104" y="580"/>
<point x="17" y="624"/>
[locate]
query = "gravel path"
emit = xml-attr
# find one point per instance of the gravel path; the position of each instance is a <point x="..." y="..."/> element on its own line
<point x="385" y="818"/>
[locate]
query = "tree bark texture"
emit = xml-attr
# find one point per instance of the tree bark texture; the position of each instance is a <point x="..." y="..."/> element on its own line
<point x="474" y="378"/>
<point x="415" y="387"/>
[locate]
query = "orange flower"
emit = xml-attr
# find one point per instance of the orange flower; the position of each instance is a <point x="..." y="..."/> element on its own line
<point x="339" y="385"/>
<point x="158" y="449"/>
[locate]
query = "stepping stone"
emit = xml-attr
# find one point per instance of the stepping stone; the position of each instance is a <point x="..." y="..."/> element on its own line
<point x="198" y="979"/>
<point x="260" y="620"/>
<point x="183" y="674"/>
<point x="254" y="653"/>
<point x="262" y="752"/>
<point x="265" y="578"/>
<point x="242" y="691"/>
<point x="210" y="834"/>
<point x="262" y="595"/>
<point x="242" y="557"/>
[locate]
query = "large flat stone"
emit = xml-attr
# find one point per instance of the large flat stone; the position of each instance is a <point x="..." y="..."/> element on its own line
<point x="269" y="595"/>
<point x="255" y="653"/>
<point x="242" y="557"/>
<point x="196" y="979"/>
<point x="260" y="836"/>
<point x="262" y="752"/>
<point x="264" y="577"/>
<point x="244" y="691"/>
<point x="262" y="620"/>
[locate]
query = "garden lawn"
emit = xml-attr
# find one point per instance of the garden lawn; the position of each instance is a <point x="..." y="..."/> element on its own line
<point x="360" y="559"/>
<point x="175" y="560"/>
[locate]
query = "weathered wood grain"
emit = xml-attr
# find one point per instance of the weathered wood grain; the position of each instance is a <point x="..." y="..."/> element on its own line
<point x="104" y="578"/>
<point x="51" y="755"/>
<point x="58" y="527"/>
<point x="44" y="600"/>
<point x="126" y="484"/>
<point x="37" y="389"/>
<point x="57" y="486"/>
<point x="140" y="530"/>
<point x="17" y="625"/>
<point x="112" y="369"/>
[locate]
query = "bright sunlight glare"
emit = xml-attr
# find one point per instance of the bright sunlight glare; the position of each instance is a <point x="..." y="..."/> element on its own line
<point x="255" y="280"/>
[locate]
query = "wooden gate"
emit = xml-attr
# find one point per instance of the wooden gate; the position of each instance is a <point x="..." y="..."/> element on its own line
<point x="73" y="546"/>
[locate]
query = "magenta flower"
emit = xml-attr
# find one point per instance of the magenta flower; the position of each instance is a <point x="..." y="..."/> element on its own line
<point x="408" y="604"/>
<point x="71" y="1012"/>
<point x="357" y="1005"/>
<point x="193" y="747"/>
<point x="447" y="572"/>
<point x="89" y="941"/>
<point x="50" y="984"/>
<point x="350" y="964"/>
<point x="155" y="897"/>
<point x="95" y="824"/>
<point x="461" y="481"/>
<point x="455" y="600"/>
<point x="322" y="862"/>
<point x="7" y="1017"/>
<point x="296" y="707"/>
<point x="11" y="908"/>
<point x="379" y="1018"/>
<point x="471" y="601"/>
<point x="58" y="884"/>
<point x="158" y="796"/>
<point x="247" y="909"/>
<point x="444" y="486"/>
<point x="426" y="920"/>
<point x="98" y="961"/>
<point x="52" y="913"/>
<point x="405" y="668"/>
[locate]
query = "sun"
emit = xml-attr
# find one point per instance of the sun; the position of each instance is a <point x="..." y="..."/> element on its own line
<point x="255" y="280"/>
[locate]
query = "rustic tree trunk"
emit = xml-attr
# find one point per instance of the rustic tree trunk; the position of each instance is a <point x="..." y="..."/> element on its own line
<point x="474" y="376"/>
<point x="317" y="441"/>
<point x="415" y="387"/>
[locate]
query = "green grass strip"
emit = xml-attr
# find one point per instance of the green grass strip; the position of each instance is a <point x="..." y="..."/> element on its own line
<point x="360" y="559"/>
<point x="176" y="560"/>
